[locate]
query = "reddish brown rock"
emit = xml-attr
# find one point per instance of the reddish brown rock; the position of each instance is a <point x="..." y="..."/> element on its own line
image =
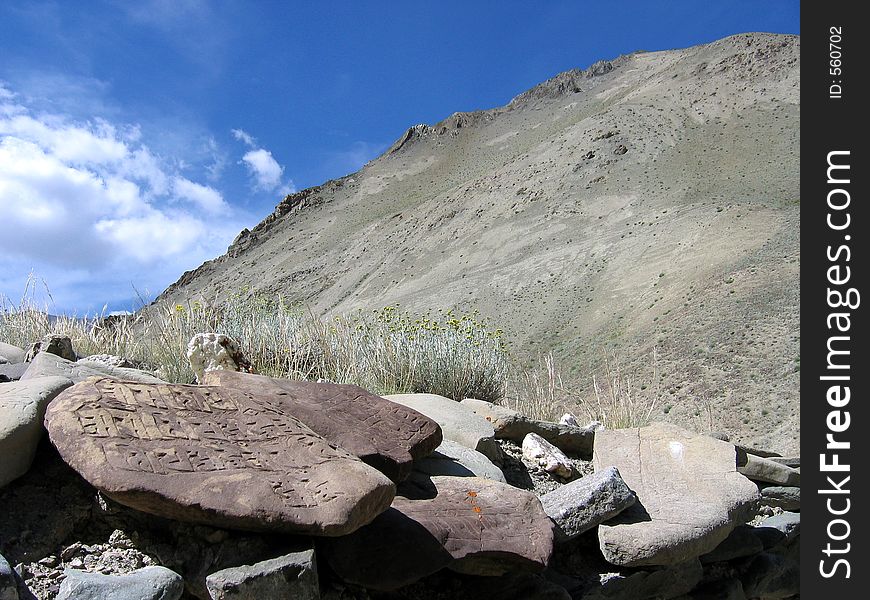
<point x="469" y="524"/>
<point x="385" y="435"/>
<point x="213" y="455"/>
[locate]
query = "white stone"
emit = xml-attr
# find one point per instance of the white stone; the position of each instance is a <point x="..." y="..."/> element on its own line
<point x="215" y="352"/>
<point x="545" y="454"/>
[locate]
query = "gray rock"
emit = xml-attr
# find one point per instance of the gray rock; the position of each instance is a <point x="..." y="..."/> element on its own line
<point x="512" y="425"/>
<point x="8" y="581"/>
<point x="771" y="576"/>
<point x="689" y="494"/>
<point x="760" y="452"/>
<point x="59" y="345"/>
<point x="765" y="470"/>
<point x="586" y="502"/>
<point x="779" y="529"/>
<point x="458" y="423"/>
<point x="13" y="371"/>
<point x="13" y="354"/>
<point x="456" y="460"/>
<point x="741" y="542"/>
<point x="668" y="582"/>
<point x="44" y="364"/>
<point x="3" y="360"/>
<point x="784" y="497"/>
<point x="22" y="408"/>
<point x="723" y="589"/>
<point x="290" y="576"/>
<point x="790" y="461"/>
<point x="150" y="583"/>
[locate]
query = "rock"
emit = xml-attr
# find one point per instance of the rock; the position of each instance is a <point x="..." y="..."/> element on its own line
<point x="13" y="354"/>
<point x="760" y="452"/>
<point x="538" y="450"/>
<point x="44" y="364"/>
<point x="569" y="419"/>
<point x="765" y="470"/>
<point x="453" y="459"/>
<point x="4" y="379"/>
<point x="22" y="407"/>
<point x="668" y="582"/>
<point x="689" y="494"/>
<point x="784" y="497"/>
<point x="790" y="461"/>
<point x="107" y="360"/>
<point x="771" y="576"/>
<point x="723" y="589"/>
<point x="290" y="576"/>
<point x="473" y="525"/>
<point x="212" y="455"/>
<point x="779" y="529"/>
<point x="215" y="352"/>
<point x="59" y="345"/>
<point x="150" y="583"/>
<point x="13" y="371"/>
<point x="742" y="541"/>
<point x="458" y="422"/>
<point x="385" y="435"/>
<point x="586" y="502"/>
<point x="511" y="425"/>
<point x="8" y="581"/>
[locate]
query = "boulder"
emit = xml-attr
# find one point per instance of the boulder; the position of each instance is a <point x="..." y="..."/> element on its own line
<point x="22" y="407"/>
<point x="512" y="425"/>
<point x="742" y="541"/>
<point x="779" y="496"/>
<point x="473" y="525"/>
<point x="150" y="583"/>
<point x="13" y="371"/>
<point x="771" y="576"/>
<point x="59" y="345"/>
<point x="689" y="494"/>
<point x="293" y="575"/>
<point x="385" y="435"/>
<point x="13" y="354"/>
<point x="790" y="461"/>
<point x="458" y="423"/>
<point x="765" y="470"/>
<point x="667" y="582"/>
<point x="778" y="529"/>
<point x="586" y="502"/>
<point x="212" y="455"/>
<point x="539" y="451"/>
<point x="215" y="352"/>
<point x="44" y="364"/>
<point x="8" y="581"/>
<point x="455" y="460"/>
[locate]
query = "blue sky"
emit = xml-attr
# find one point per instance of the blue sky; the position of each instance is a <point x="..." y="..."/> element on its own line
<point x="138" y="138"/>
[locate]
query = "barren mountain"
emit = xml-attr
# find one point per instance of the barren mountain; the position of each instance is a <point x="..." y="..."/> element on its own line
<point x="646" y="208"/>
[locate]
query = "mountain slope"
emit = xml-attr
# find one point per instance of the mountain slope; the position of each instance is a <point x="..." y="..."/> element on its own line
<point x="646" y="208"/>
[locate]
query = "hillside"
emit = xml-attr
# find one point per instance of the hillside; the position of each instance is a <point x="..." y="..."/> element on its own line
<point x="644" y="207"/>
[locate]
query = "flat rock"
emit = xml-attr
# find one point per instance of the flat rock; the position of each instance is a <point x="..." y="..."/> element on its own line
<point x="213" y="455"/>
<point x="742" y="541"/>
<point x="385" y="435"/>
<point x="586" y="502"/>
<point x="150" y="583"/>
<point x="779" y="529"/>
<point x="8" y="581"/>
<point x="779" y="496"/>
<point x="455" y="460"/>
<point x="765" y="470"/>
<point x="689" y="494"/>
<point x="13" y="371"/>
<point x="293" y="575"/>
<point x="790" y="461"/>
<point x="458" y="423"/>
<point x="22" y="408"/>
<point x="11" y="353"/>
<point x="44" y="364"/>
<point x="473" y="525"/>
<point x="512" y="425"/>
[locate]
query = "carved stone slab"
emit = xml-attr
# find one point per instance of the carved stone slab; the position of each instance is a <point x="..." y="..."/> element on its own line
<point x="385" y="435"/>
<point x="469" y="524"/>
<point x="213" y="455"/>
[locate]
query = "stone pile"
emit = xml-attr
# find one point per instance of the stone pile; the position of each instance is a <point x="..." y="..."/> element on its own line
<point x="247" y="486"/>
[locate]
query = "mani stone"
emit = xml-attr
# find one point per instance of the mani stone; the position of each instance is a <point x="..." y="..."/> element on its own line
<point x="458" y="423"/>
<point x="22" y="407"/>
<point x="511" y="425"/>
<point x="586" y="502"/>
<point x="215" y="352"/>
<point x="765" y="470"/>
<point x="149" y="583"/>
<point x="44" y="364"/>
<point x="11" y="353"/>
<point x="293" y="575"/>
<point x="212" y="455"/>
<point x="689" y="494"/>
<point x="456" y="460"/>
<point x="473" y="525"/>
<point x="383" y="434"/>
<point x="541" y="452"/>
<point x="59" y="345"/>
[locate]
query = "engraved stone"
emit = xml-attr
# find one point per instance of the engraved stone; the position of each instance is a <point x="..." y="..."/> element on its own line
<point x="385" y="435"/>
<point x="213" y="455"/>
<point x="473" y="525"/>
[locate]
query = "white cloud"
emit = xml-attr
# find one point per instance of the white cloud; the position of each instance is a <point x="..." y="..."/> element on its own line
<point x="244" y="136"/>
<point x="268" y="174"/>
<point x="205" y="197"/>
